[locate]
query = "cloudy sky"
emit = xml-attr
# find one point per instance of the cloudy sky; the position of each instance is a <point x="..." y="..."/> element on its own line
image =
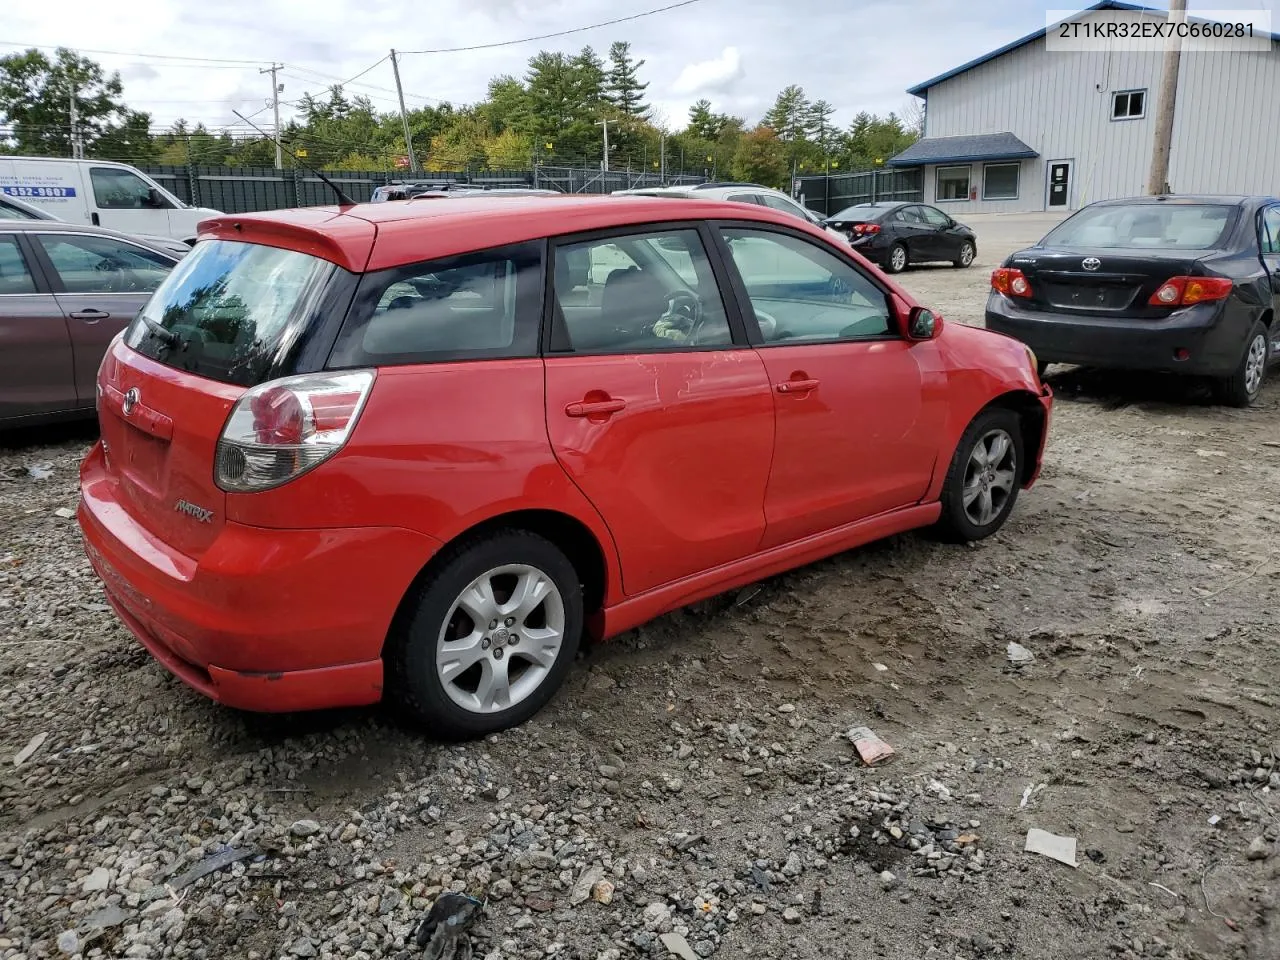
<point x="857" y="54"/>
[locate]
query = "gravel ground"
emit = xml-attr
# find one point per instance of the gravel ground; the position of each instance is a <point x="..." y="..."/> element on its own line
<point x="694" y="778"/>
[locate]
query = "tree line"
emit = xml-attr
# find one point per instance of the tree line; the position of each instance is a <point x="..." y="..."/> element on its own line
<point x="552" y="114"/>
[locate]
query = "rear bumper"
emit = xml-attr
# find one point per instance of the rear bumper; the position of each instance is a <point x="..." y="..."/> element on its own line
<point x="1213" y="335"/>
<point x="265" y="620"/>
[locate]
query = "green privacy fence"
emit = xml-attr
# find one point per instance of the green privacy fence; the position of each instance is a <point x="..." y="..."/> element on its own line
<point x="831" y="194"/>
<point x="248" y="189"/>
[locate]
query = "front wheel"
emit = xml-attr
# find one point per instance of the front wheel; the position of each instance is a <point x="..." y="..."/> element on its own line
<point x="966" y="255"/>
<point x="1242" y="386"/>
<point x="983" y="479"/>
<point x="489" y="637"/>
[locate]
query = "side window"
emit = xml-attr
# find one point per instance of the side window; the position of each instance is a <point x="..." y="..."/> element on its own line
<point x="1271" y="230"/>
<point x="121" y="190"/>
<point x="15" y="278"/>
<point x="744" y="198"/>
<point x="912" y="215"/>
<point x="777" y="203"/>
<point x="478" y="306"/>
<point x="801" y="293"/>
<point x="933" y="217"/>
<point x="637" y="294"/>
<point x="103" y="265"/>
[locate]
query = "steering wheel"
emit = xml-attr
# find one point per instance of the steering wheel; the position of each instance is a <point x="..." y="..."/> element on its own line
<point x="768" y="324"/>
<point x="121" y="280"/>
<point x="684" y="310"/>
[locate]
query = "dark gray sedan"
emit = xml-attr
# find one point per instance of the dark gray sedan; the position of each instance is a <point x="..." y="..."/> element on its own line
<point x="65" y="291"/>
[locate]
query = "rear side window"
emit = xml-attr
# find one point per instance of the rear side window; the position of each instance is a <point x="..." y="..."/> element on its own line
<point x="483" y="305"/>
<point x="15" y="278"/>
<point x="230" y="310"/>
<point x="1271" y="230"/>
<point x="104" y="265"/>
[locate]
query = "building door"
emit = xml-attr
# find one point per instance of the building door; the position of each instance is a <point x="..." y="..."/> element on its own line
<point x="1059" y="172"/>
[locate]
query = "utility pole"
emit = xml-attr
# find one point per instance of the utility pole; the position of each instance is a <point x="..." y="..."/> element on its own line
<point x="1158" y="182"/>
<point x="662" y="157"/>
<point x="605" y="163"/>
<point x="404" y="115"/>
<point x="77" y="148"/>
<point x="275" y="108"/>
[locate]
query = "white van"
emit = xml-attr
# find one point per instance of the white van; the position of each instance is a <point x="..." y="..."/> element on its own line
<point x="102" y="193"/>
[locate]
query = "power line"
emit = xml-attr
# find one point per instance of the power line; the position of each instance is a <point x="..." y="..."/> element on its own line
<point x="558" y="33"/>
<point x="119" y="53"/>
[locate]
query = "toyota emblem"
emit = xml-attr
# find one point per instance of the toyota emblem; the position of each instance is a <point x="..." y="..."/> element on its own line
<point x="131" y="400"/>
<point x="1091" y="263"/>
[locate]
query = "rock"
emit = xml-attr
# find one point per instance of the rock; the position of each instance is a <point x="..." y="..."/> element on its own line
<point x="302" y="947"/>
<point x="501" y="889"/>
<point x="791" y="915"/>
<point x="759" y="909"/>
<point x="68" y="942"/>
<point x="1259" y="849"/>
<point x="581" y="891"/>
<point x="888" y="881"/>
<point x="349" y="833"/>
<point x="27" y="752"/>
<point x="793" y="866"/>
<point x="602" y="892"/>
<point x="105" y="919"/>
<point x="678" y="946"/>
<point x="655" y="915"/>
<point x="704" y="948"/>
<point x="96" y="881"/>
<point x="787" y="708"/>
<point x="65" y="513"/>
<point x="304" y="828"/>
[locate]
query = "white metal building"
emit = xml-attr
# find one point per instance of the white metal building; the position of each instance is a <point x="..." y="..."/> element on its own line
<point x="1028" y="128"/>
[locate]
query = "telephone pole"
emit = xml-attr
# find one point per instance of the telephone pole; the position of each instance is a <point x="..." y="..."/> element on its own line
<point x="275" y="108"/>
<point x="1158" y="182"/>
<point x="662" y="158"/>
<point x="604" y="165"/>
<point x="77" y="147"/>
<point x="404" y="116"/>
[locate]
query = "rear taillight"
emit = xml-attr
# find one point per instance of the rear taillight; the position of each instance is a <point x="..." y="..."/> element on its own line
<point x="1186" y="291"/>
<point x="1010" y="282"/>
<point x="866" y="229"/>
<point x="280" y="430"/>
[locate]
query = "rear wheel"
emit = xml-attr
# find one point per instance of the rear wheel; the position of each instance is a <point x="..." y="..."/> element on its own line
<point x="983" y="479"/>
<point x="1242" y="386"/>
<point x="489" y="638"/>
<point x="896" y="260"/>
<point x="966" y="255"/>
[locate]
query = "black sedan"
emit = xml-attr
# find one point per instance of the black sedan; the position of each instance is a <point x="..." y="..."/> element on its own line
<point x="1186" y="284"/>
<point x="894" y="234"/>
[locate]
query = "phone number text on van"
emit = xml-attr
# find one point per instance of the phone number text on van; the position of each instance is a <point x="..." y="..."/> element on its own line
<point x="16" y="191"/>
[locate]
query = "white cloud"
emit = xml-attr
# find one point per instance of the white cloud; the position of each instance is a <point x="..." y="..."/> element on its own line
<point x="710" y="75"/>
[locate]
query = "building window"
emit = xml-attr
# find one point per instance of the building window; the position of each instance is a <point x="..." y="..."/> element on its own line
<point x="953" y="184"/>
<point x="1000" y="181"/>
<point x="1128" y="105"/>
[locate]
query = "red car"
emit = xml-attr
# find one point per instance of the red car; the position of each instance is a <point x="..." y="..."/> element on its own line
<point x="426" y="448"/>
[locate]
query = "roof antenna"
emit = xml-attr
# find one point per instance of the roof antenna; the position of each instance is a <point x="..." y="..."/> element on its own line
<point x="343" y="199"/>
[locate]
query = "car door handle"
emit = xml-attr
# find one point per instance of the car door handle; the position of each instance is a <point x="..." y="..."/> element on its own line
<point x="594" y="408"/>
<point x="797" y="386"/>
<point x="91" y="316"/>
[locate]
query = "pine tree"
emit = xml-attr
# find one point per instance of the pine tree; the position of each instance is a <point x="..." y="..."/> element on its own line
<point x="624" y="89"/>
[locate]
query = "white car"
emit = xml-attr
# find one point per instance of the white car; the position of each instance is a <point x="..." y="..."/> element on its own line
<point x="11" y="208"/>
<point x="738" y="193"/>
<point x="102" y="193"/>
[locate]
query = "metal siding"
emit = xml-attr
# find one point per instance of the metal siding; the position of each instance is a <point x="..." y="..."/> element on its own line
<point x="1060" y="104"/>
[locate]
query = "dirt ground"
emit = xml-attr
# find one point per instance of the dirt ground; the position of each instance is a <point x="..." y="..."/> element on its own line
<point x="699" y="764"/>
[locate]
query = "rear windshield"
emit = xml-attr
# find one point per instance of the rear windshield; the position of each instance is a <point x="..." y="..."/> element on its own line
<point x="860" y="212"/>
<point x="230" y="310"/>
<point x="1181" y="226"/>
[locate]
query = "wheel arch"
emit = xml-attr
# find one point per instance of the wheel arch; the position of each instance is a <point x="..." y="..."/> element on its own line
<point x="569" y="534"/>
<point x="1032" y="421"/>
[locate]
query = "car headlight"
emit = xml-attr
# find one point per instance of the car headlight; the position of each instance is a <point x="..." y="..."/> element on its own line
<point x="1031" y="356"/>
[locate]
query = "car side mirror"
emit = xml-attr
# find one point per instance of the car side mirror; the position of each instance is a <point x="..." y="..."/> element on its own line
<point x="156" y="200"/>
<point x="923" y="324"/>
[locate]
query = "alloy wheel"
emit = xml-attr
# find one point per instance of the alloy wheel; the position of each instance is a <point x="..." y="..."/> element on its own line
<point x="1255" y="364"/>
<point x="898" y="258"/>
<point x="501" y="638"/>
<point x="990" y="476"/>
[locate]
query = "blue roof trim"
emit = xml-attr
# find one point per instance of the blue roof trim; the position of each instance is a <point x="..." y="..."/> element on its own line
<point x="920" y="89"/>
<point x="970" y="149"/>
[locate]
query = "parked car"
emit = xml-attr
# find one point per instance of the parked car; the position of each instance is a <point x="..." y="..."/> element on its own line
<point x="1184" y="285"/>
<point x="894" y="234"/>
<point x="11" y="208"/>
<point x="733" y="192"/>
<point x="65" y="292"/>
<point x="100" y="193"/>
<point x="437" y="188"/>
<point x="380" y="448"/>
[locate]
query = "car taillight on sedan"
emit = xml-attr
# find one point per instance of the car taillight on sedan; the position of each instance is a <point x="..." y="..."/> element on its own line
<point x="865" y="229"/>
<point x="1011" y="282"/>
<point x="283" y="428"/>
<point x="1186" y="291"/>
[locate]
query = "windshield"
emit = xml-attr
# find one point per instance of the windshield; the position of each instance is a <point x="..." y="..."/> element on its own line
<point x="233" y="308"/>
<point x="1182" y="226"/>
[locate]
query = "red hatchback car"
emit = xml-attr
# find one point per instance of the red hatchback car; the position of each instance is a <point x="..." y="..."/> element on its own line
<point x="427" y="448"/>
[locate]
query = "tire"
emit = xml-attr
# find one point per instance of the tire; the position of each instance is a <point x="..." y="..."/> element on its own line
<point x="895" y="261"/>
<point x="1242" y="386"/>
<point x="446" y="705"/>
<point x="963" y="523"/>
<point x="967" y="252"/>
